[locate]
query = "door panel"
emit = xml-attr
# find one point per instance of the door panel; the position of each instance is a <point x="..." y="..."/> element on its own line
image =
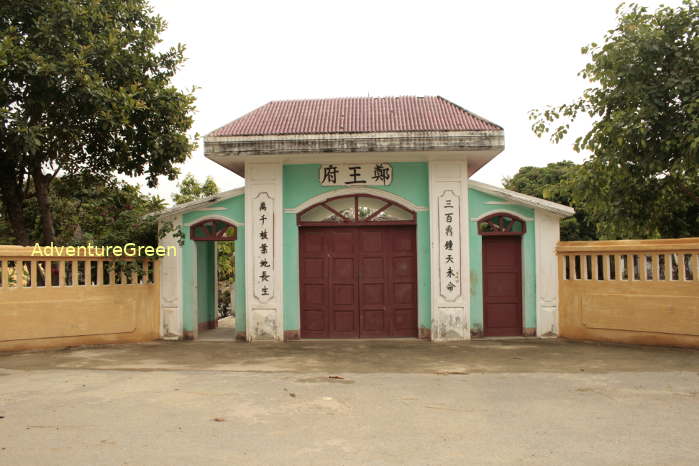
<point x="358" y="282"/>
<point x="342" y="282"/>
<point x="502" y="285"/>
<point x="314" y="284"/>
<point x="403" y="282"/>
<point x="373" y="296"/>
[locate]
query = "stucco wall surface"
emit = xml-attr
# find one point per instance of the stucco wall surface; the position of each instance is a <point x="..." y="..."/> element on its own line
<point x="482" y="205"/>
<point x="301" y="183"/>
<point x="39" y="317"/>
<point x="198" y="265"/>
<point x="641" y="292"/>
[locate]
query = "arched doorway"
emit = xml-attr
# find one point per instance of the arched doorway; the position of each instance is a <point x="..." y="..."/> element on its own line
<point x="214" y="278"/>
<point x="502" y="274"/>
<point x="358" y="268"/>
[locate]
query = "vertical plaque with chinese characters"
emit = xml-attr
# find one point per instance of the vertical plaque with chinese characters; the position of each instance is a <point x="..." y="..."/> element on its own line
<point x="263" y="239"/>
<point x="449" y="245"/>
<point x="358" y="174"/>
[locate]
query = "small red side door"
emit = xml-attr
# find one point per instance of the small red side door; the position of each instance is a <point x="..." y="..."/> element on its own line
<point x="502" y="285"/>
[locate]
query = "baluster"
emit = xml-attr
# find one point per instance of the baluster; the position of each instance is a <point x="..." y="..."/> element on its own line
<point x="594" y="260"/>
<point x="100" y="272"/>
<point x="605" y="267"/>
<point x="74" y="272"/>
<point x="5" y="274"/>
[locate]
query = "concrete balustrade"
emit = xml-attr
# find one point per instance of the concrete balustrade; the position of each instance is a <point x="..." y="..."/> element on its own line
<point x="57" y="301"/>
<point x="640" y="291"/>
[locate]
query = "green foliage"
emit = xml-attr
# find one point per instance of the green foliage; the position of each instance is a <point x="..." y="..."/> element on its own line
<point x="642" y="179"/>
<point x="84" y="90"/>
<point x="191" y="190"/>
<point x="556" y="183"/>
<point x="94" y="210"/>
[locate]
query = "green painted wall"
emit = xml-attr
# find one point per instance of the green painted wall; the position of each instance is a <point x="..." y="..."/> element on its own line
<point x="206" y="282"/>
<point x="240" y="281"/>
<point x="233" y="208"/>
<point x="477" y="208"/>
<point x="300" y="184"/>
<point x="410" y="181"/>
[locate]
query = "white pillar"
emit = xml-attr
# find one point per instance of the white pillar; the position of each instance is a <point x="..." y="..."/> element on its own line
<point x="263" y="251"/>
<point x="171" y="284"/>
<point x="449" y="250"/>
<point x="547" y="232"/>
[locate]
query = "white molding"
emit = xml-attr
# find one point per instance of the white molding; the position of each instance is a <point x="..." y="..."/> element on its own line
<point x="215" y="217"/>
<point x="450" y="319"/>
<point x="518" y="198"/>
<point x="351" y="136"/>
<point x="354" y="190"/>
<point x="196" y="204"/>
<point x="171" y="297"/>
<point x="264" y="319"/>
<point x="208" y="209"/>
<point x="547" y="234"/>
<point x="504" y="211"/>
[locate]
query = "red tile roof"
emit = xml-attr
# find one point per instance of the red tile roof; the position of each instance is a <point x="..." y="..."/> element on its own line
<point x="355" y="115"/>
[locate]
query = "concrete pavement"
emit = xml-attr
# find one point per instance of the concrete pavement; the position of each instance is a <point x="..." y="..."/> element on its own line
<point x="357" y="402"/>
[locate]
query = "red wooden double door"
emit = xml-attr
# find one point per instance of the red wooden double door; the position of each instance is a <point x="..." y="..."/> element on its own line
<point x="358" y="282"/>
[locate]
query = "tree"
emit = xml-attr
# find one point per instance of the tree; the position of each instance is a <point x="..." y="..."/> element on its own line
<point x="642" y="178"/>
<point x="555" y="182"/>
<point x="83" y="90"/>
<point x="94" y="210"/>
<point x="190" y="189"/>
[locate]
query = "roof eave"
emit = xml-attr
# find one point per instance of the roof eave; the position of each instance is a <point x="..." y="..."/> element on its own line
<point x="560" y="210"/>
<point x="231" y="151"/>
<point x="199" y="203"/>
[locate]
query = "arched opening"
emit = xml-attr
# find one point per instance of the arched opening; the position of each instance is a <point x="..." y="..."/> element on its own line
<point x="502" y="273"/>
<point x="213" y="230"/>
<point x="501" y="223"/>
<point x="356" y="210"/>
<point x="214" y="241"/>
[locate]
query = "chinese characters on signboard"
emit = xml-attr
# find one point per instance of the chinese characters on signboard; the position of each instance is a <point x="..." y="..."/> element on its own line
<point x="449" y="245"/>
<point x="263" y="239"/>
<point x="359" y="174"/>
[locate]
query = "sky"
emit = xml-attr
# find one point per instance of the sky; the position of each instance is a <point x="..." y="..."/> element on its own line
<point x="498" y="59"/>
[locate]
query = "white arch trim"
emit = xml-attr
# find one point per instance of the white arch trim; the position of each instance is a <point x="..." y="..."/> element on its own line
<point x="355" y="190"/>
<point x="215" y="217"/>
<point x="502" y="211"/>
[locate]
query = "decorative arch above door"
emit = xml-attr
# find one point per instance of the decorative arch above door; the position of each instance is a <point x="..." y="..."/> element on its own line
<point x="355" y="210"/>
<point x="501" y="224"/>
<point x="213" y="230"/>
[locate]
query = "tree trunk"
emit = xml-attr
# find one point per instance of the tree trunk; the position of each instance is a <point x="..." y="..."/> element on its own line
<point x="41" y="186"/>
<point x="12" y="197"/>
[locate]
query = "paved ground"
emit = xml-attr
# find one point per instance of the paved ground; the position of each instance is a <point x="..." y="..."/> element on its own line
<point x="397" y="402"/>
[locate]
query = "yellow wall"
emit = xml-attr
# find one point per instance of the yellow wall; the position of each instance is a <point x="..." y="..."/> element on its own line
<point x="97" y="307"/>
<point x="653" y="297"/>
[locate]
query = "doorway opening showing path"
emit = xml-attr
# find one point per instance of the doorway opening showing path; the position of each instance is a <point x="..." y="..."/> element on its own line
<point x="215" y="279"/>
